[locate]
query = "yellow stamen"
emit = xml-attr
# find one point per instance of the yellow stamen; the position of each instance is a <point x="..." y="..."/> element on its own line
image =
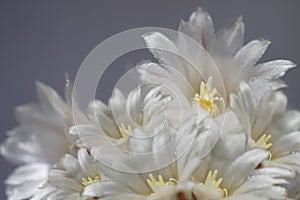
<point x="89" y="180"/>
<point x="212" y="182"/>
<point x="125" y="132"/>
<point x="262" y="142"/>
<point x="156" y="185"/>
<point x="207" y="98"/>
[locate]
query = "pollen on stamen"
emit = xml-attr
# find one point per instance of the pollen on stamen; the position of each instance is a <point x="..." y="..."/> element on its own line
<point x="207" y="98"/>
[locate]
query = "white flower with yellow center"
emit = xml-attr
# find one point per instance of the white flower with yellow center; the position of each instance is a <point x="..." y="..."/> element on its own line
<point x="187" y="62"/>
<point x="77" y="178"/>
<point x="269" y="126"/>
<point x="193" y="177"/>
<point x="142" y="111"/>
<point x="164" y="181"/>
<point x="230" y="172"/>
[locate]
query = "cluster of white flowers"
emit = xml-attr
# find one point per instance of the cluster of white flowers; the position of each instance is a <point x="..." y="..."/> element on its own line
<point x="212" y="126"/>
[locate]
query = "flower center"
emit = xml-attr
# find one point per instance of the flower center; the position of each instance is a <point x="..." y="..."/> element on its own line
<point x="207" y="98"/>
<point x="210" y="189"/>
<point x="89" y="180"/>
<point x="125" y="132"/>
<point x="160" y="185"/>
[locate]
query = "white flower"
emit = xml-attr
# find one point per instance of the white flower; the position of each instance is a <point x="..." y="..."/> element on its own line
<point x="37" y="143"/>
<point x="217" y="62"/>
<point x="230" y="172"/>
<point x="193" y="177"/>
<point x="142" y="111"/>
<point x="164" y="182"/>
<point x="269" y="126"/>
<point x="77" y="178"/>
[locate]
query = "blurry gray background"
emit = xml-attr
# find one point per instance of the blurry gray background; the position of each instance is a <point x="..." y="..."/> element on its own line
<point x="43" y="40"/>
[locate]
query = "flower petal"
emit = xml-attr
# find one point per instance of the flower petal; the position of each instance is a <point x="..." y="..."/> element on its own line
<point x="243" y="166"/>
<point x="251" y="52"/>
<point x="273" y="69"/>
<point x="229" y="39"/>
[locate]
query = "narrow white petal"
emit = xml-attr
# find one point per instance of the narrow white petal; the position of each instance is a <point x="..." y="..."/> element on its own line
<point x="202" y="21"/>
<point x="243" y="166"/>
<point x="30" y="172"/>
<point x="251" y="52"/>
<point x="50" y="100"/>
<point x="162" y="48"/>
<point x="273" y="69"/>
<point x="23" y="191"/>
<point x="286" y="144"/>
<point x="117" y="102"/>
<point x="89" y="135"/>
<point x="259" y="91"/>
<point x="230" y="39"/>
<point x="86" y="163"/>
<point x="101" y="189"/>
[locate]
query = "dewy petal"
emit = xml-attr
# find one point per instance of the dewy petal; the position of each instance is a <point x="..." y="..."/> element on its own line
<point x="86" y="163"/>
<point x="100" y="189"/>
<point x="274" y="172"/>
<point x="153" y="73"/>
<point x="27" y="144"/>
<point x="290" y="161"/>
<point x="72" y="166"/>
<point x="287" y="144"/>
<point x="247" y="197"/>
<point x="251" y="53"/>
<point x="63" y="194"/>
<point x="249" y="100"/>
<point x="23" y="191"/>
<point x="289" y="122"/>
<point x="64" y="183"/>
<point x="279" y="102"/>
<point x="117" y="103"/>
<point x="89" y="135"/>
<point x="243" y="166"/>
<point x="178" y="61"/>
<point x="273" y="69"/>
<point x="50" y="100"/>
<point x="129" y="181"/>
<point x="259" y="91"/>
<point x="27" y="173"/>
<point x="258" y="184"/>
<point x="146" y="101"/>
<point x="139" y="142"/>
<point x="238" y="108"/>
<point x="43" y="194"/>
<point x="184" y="139"/>
<point x="202" y="22"/>
<point x="229" y="39"/>
<point x="225" y="152"/>
<point x="263" y="115"/>
<point x="162" y="48"/>
<point x="101" y="115"/>
<point x="171" y="79"/>
<point x="272" y="192"/>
